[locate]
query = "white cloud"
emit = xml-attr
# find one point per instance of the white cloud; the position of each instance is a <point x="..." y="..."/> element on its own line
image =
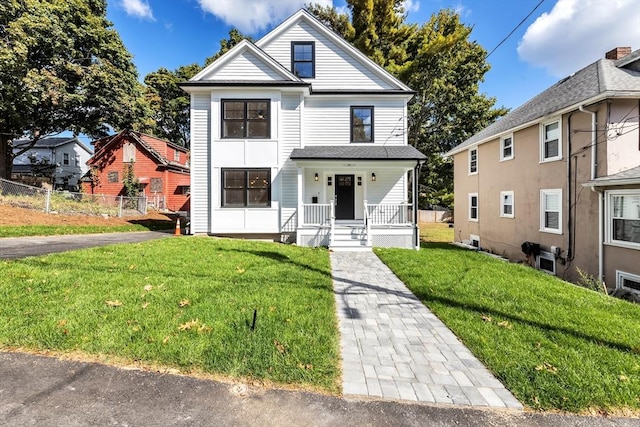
<point x="252" y="16"/>
<point x="578" y="32"/>
<point x="411" y="5"/>
<point x="138" y="8"/>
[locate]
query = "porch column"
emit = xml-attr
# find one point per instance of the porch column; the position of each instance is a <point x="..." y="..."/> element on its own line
<point x="416" y="230"/>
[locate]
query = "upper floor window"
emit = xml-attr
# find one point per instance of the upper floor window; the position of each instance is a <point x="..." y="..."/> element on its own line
<point x="176" y="155"/>
<point x="128" y="152"/>
<point x="473" y="161"/>
<point x="550" y="142"/>
<point x="623" y="217"/>
<point x="77" y="159"/>
<point x="65" y="158"/>
<point x="361" y="124"/>
<point x="506" y="147"/>
<point x="246" y="188"/>
<point x="303" y="59"/>
<point x="245" y="118"/>
<point x="551" y="211"/>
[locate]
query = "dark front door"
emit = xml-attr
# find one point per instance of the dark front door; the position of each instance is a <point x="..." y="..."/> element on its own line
<point x="344" y="197"/>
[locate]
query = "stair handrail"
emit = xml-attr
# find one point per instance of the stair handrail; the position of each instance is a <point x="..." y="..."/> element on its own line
<point x="367" y="223"/>
<point x="332" y="221"/>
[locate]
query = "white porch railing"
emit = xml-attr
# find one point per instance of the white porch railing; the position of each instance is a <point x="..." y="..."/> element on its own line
<point x="367" y="223"/>
<point x="389" y="214"/>
<point x="316" y="214"/>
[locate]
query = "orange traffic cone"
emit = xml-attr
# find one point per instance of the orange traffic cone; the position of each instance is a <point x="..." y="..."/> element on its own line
<point x="177" y="232"/>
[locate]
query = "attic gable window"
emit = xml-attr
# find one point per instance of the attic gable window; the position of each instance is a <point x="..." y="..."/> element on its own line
<point x="128" y="152"/>
<point x="303" y="59"/>
<point x="245" y="118"/>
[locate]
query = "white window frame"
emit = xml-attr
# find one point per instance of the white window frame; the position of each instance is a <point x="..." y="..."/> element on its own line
<point x="502" y="147"/>
<point x="621" y="275"/>
<point x="503" y="204"/>
<point x="549" y="257"/>
<point x="609" y="218"/>
<point x="128" y="152"/>
<point x="543" y="193"/>
<point x="543" y="141"/>
<point x="471" y="150"/>
<point x="471" y="196"/>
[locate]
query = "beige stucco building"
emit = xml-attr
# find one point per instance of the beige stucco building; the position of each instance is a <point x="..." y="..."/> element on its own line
<point x="556" y="182"/>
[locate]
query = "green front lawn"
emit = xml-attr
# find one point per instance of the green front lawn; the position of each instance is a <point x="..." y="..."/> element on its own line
<point x="187" y="303"/>
<point x="553" y="344"/>
<point x="51" y="230"/>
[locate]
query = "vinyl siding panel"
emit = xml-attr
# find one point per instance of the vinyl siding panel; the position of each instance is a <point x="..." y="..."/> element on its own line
<point x="335" y="67"/>
<point x="290" y="139"/>
<point x="246" y="66"/>
<point x="200" y="175"/>
<point x="388" y="120"/>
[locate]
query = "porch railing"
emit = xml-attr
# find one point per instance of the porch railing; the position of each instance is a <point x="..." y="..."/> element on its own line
<point x="389" y="214"/>
<point x="367" y="223"/>
<point x="316" y="214"/>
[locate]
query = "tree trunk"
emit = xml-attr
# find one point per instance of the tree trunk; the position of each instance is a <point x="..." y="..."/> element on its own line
<point x="6" y="157"/>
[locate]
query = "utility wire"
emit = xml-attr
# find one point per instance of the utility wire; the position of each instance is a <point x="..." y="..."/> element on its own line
<point x="516" y="27"/>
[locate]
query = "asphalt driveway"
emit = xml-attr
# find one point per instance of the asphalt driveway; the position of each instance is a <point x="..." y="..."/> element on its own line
<point x="20" y="247"/>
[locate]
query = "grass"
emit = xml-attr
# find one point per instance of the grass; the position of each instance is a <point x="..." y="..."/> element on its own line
<point x="51" y="230"/>
<point x="185" y="303"/>
<point x="556" y="346"/>
<point x="436" y="232"/>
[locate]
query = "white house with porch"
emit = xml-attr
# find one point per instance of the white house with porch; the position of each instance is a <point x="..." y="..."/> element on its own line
<point x="300" y="137"/>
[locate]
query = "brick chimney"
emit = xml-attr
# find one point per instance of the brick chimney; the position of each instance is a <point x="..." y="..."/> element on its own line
<point x="618" y="53"/>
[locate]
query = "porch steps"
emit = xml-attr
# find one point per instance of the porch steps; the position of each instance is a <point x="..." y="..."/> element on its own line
<point x="349" y="238"/>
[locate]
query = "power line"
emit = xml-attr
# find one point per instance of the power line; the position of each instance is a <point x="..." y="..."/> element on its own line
<point x="516" y="27"/>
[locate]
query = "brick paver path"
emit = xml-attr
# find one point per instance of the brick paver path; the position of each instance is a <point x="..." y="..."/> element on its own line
<point x="394" y="347"/>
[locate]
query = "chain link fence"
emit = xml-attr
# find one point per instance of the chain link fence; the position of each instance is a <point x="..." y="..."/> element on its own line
<point x="49" y="201"/>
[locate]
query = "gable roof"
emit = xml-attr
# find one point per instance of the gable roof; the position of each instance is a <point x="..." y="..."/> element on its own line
<point x="51" y="142"/>
<point x="603" y="79"/>
<point x="103" y="146"/>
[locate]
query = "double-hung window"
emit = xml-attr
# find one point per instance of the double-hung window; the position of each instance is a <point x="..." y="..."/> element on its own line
<point x="361" y="124"/>
<point x="550" y="141"/>
<point x="245" y="118"/>
<point x="65" y="158"/>
<point x="506" y="147"/>
<point x="250" y="188"/>
<point x="623" y="217"/>
<point x="473" y="206"/>
<point x="303" y="59"/>
<point x="506" y="204"/>
<point x="473" y="161"/>
<point x="551" y="211"/>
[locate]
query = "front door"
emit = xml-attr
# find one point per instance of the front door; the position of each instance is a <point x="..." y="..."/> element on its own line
<point x="344" y="197"/>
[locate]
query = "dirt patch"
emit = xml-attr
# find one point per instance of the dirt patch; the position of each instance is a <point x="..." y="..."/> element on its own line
<point x="10" y="215"/>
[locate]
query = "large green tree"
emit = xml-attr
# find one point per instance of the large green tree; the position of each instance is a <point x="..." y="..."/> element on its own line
<point x="436" y="59"/>
<point x="62" y="67"/>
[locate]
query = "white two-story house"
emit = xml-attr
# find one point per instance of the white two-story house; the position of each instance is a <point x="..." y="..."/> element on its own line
<point x="301" y="137"/>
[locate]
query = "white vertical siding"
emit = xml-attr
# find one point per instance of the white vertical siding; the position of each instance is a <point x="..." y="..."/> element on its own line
<point x="200" y="175"/>
<point x="335" y="67"/>
<point x="289" y="139"/>
<point x="246" y="66"/>
<point x="327" y="121"/>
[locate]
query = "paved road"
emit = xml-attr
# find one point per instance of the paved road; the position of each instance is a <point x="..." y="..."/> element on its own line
<point x="20" y="247"/>
<point x="44" y="391"/>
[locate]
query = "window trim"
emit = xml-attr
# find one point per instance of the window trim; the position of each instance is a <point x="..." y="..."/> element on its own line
<point x="620" y="275"/>
<point x="313" y="58"/>
<point x="245" y="119"/>
<point x="544" y="192"/>
<point x="470" y="206"/>
<point x="502" y="204"/>
<point x="469" y="161"/>
<point x="543" y="141"/>
<point x="502" y="147"/>
<point x="245" y="188"/>
<point x="351" y="128"/>
<point x="609" y="240"/>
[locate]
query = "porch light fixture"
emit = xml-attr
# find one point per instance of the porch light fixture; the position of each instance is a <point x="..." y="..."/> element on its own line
<point x="316" y="177"/>
<point x="373" y="176"/>
<point x="329" y="180"/>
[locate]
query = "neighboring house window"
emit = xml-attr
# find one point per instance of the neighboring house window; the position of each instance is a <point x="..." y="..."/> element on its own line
<point x="128" y="152"/>
<point x="550" y="142"/>
<point x="361" y="124"/>
<point x="473" y="206"/>
<point x="473" y="161"/>
<point x="627" y="281"/>
<point x="506" y="204"/>
<point x="185" y="190"/>
<point x="551" y="211"/>
<point x="65" y="159"/>
<point x="245" y="118"/>
<point x="303" y="59"/>
<point x="112" y="177"/>
<point x="176" y="155"/>
<point x="623" y="217"/>
<point x="246" y="188"/>
<point x="506" y="147"/>
<point x="156" y="185"/>
<point x="77" y="160"/>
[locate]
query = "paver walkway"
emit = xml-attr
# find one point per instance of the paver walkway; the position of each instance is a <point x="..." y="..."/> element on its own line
<point x="394" y="347"/>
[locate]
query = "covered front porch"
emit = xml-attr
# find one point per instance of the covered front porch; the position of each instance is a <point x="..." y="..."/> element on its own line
<point x="358" y="199"/>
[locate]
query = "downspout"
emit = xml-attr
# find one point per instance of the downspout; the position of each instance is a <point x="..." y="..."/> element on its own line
<point x="569" y="254"/>
<point x="416" y="230"/>
<point x="600" y="238"/>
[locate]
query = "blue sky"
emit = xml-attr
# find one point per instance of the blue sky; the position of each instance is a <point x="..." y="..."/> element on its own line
<point x="559" y="38"/>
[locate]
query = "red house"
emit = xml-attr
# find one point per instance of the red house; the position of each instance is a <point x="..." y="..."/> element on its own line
<point x="161" y="168"/>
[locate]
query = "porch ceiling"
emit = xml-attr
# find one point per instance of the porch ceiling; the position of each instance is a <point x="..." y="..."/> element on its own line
<point x="357" y="152"/>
